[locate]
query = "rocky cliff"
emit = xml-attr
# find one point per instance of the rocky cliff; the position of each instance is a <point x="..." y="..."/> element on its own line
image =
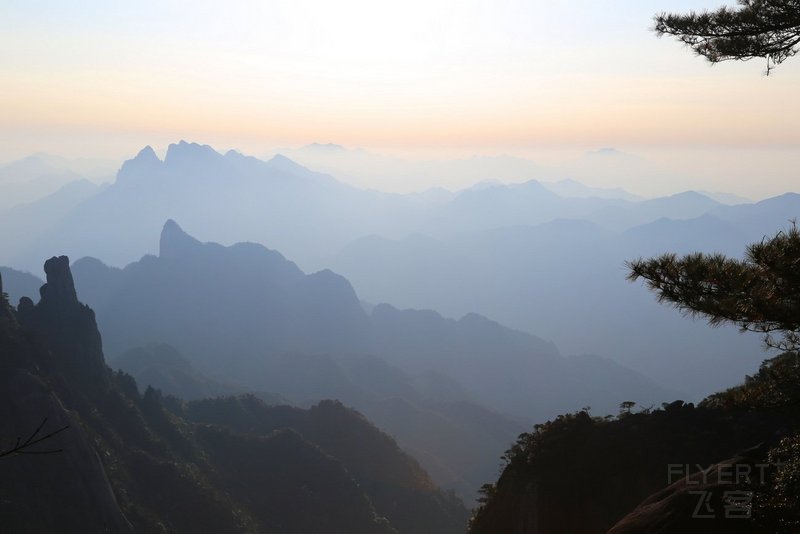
<point x="125" y="462"/>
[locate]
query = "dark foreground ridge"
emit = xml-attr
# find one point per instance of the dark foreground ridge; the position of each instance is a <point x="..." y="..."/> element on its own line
<point x="730" y="464"/>
<point x="134" y="462"/>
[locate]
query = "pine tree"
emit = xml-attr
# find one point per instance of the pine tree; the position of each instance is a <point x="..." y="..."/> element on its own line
<point x="760" y="293"/>
<point x="768" y="29"/>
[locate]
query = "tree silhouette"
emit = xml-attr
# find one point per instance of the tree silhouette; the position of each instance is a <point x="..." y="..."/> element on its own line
<point x="768" y="29"/>
<point x="760" y="293"/>
<point x="625" y="407"/>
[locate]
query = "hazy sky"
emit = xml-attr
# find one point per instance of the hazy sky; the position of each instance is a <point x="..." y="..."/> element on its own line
<point x="103" y="78"/>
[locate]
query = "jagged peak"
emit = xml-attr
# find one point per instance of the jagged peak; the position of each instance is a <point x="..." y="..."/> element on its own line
<point x="175" y="242"/>
<point x="145" y="162"/>
<point x="147" y="154"/>
<point x="60" y="286"/>
<point x="182" y="151"/>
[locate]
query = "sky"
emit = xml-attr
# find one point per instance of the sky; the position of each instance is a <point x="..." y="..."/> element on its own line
<point x="441" y="78"/>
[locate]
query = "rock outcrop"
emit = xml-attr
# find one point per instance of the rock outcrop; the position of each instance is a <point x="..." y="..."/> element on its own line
<point x="69" y="327"/>
<point x="66" y="491"/>
<point x="60" y="288"/>
<point x="718" y="499"/>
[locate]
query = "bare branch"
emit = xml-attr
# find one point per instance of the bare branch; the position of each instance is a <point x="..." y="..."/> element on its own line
<point x="23" y="447"/>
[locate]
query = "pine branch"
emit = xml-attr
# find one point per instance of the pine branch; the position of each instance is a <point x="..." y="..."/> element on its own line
<point x="760" y="293"/>
<point x="767" y="29"/>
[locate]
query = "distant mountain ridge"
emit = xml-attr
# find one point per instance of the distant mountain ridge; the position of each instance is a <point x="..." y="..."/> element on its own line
<point x="31" y="178"/>
<point x="161" y="366"/>
<point x="148" y="191"/>
<point x="573" y="188"/>
<point x="320" y="223"/>
<point x="208" y="300"/>
<point x="567" y="278"/>
<point x="245" y="315"/>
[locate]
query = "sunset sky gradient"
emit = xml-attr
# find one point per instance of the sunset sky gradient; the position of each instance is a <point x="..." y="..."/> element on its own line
<point x="447" y="77"/>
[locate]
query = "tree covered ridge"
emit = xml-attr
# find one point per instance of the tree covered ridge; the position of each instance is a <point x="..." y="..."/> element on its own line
<point x="767" y="29"/>
<point x="580" y="473"/>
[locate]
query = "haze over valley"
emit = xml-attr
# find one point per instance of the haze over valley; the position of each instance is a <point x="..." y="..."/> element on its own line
<point x="430" y="267"/>
<point x="543" y="258"/>
<point x="396" y="316"/>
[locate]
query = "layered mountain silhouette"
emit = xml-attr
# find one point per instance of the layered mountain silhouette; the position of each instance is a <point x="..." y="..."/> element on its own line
<point x="523" y="254"/>
<point x="29" y="179"/>
<point x="238" y="312"/>
<point x="19" y="283"/>
<point x="537" y="258"/>
<point x="305" y="214"/>
<point x="130" y="462"/>
<point x="245" y="316"/>
<point x="163" y="367"/>
<point x="289" y="351"/>
<point x="567" y="278"/>
<point x="276" y="201"/>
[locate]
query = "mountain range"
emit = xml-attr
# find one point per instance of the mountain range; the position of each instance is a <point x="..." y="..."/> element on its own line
<point x="28" y="179"/>
<point x="212" y="302"/>
<point x="110" y="458"/>
<point x="539" y="258"/>
<point x="236" y="352"/>
<point x="512" y="252"/>
<point x="307" y="215"/>
<point x="244" y="315"/>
